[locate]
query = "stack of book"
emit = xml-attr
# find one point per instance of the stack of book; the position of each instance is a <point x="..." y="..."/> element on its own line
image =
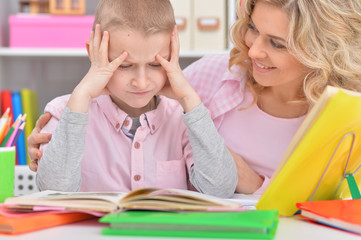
<point x="155" y="212"/>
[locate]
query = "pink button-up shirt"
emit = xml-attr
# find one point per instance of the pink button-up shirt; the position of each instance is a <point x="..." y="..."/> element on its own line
<point x="159" y="156"/>
<point x="258" y="137"/>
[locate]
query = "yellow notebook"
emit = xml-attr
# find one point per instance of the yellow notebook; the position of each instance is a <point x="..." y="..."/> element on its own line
<point x="306" y="171"/>
<point x="29" y="100"/>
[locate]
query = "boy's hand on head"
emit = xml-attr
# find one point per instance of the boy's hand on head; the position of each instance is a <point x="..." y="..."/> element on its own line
<point x="101" y="70"/>
<point x="177" y="86"/>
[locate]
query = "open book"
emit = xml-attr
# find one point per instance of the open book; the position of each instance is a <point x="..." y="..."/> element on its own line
<point x="140" y="199"/>
<point x="326" y="147"/>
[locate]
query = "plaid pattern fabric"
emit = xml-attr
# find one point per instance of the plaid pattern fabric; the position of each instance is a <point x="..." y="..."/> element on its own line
<point x="219" y="89"/>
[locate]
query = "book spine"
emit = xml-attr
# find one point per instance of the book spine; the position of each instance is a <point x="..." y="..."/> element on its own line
<point x="20" y="143"/>
<point x="29" y="101"/>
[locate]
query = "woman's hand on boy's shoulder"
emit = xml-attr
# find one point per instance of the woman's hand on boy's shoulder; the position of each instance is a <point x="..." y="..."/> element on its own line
<point x="177" y="86"/>
<point x="35" y="139"/>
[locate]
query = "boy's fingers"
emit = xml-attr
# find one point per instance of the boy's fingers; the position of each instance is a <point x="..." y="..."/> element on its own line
<point x="91" y="51"/>
<point x="97" y="37"/>
<point x="175" y="45"/>
<point x="104" y="47"/>
<point x="165" y="64"/>
<point x="119" y="60"/>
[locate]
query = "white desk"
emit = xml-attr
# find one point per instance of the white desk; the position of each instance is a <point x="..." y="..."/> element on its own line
<point x="288" y="229"/>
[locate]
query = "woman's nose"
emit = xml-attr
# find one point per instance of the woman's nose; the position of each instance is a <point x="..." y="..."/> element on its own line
<point x="257" y="48"/>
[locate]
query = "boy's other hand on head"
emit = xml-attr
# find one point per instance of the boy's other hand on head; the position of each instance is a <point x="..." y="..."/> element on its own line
<point x="35" y="139"/>
<point x="177" y="86"/>
<point x="101" y="71"/>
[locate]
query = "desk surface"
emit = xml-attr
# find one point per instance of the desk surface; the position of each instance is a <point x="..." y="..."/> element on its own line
<point x="288" y="229"/>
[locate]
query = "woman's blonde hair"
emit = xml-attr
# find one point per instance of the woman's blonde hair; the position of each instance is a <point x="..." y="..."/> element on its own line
<point x="324" y="35"/>
<point x="146" y="16"/>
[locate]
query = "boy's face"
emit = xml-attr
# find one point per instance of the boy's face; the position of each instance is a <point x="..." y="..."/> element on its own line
<point x="140" y="76"/>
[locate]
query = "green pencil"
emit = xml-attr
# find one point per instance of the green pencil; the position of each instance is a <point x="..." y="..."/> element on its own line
<point x="10" y="132"/>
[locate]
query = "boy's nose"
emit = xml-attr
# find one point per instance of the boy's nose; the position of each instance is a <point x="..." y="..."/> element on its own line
<point x="140" y="81"/>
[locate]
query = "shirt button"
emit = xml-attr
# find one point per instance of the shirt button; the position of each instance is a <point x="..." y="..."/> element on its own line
<point x="137" y="177"/>
<point x="137" y="145"/>
<point x="153" y="127"/>
<point x="126" y="123"/>
<point x="117" y="126"/>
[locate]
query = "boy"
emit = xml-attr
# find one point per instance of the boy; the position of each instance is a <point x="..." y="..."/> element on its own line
<point x="114" y="133"/>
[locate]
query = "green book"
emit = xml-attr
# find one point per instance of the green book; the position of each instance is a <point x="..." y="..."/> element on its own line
<point x="260" y="224"/>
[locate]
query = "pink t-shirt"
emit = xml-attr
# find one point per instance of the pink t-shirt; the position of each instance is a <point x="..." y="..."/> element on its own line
<point x="159" y="156"/>
<point x="258" y="137"/>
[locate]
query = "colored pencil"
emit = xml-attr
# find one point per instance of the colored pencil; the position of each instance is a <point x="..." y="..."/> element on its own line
<point x="10" y="132"/>
<point x="18" y="132"/>
<point x="5" y="123"/>
<point x="12" y="137"/>
<point x="4" y="118"/>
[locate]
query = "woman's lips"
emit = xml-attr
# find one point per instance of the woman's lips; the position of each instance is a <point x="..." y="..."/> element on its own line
<point x="261" y="68"/>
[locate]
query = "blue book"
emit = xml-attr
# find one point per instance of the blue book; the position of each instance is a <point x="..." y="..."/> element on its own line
<point x="20" y="143"/>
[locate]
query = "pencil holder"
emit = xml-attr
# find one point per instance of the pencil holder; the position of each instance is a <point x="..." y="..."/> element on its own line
<point x="7" y="171"/>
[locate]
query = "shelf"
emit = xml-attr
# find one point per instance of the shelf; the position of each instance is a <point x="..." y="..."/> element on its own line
<point x="78" y="52"/>
<point x="43" y="52"/>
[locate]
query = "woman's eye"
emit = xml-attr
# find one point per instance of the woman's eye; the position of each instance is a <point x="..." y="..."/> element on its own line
<point x="276" y="45"/>
<point x="155" y="65"/>
<point x="250" y="26"/>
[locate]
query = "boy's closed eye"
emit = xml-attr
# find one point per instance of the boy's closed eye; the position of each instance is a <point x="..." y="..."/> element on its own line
<point x="125" y="66"/>
<point x="155" y="64"/>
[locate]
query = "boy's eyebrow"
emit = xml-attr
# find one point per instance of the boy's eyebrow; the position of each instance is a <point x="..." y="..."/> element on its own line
<point x="129" y="61"/>
<point x="269" y="35"/>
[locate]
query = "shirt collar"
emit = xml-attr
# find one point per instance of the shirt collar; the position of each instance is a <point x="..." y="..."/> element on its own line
<point x="231" y="93"/>
<point x="156" y="117"/>
<point x="112" y="112"/>
<point x="237" y="73"/>
<point x="117" y="117"/>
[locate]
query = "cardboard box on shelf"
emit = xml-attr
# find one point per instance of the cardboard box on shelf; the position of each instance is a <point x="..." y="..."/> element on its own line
<point x="210" y="24"/>
<point x="184" y="17"/>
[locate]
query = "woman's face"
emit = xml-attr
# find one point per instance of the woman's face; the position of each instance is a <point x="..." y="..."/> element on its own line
<point x="266" y="36"/>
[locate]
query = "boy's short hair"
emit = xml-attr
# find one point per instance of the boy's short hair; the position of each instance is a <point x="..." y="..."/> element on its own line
<point x="146" y="16"/>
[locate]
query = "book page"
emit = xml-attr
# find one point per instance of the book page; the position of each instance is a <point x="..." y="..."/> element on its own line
<point x="144" y="198"/>
<point x="94" y="201"/>
<point x="177" y="199"/>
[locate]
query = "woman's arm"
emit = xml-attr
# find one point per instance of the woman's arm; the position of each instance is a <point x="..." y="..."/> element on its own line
<point x="248" y="180"/>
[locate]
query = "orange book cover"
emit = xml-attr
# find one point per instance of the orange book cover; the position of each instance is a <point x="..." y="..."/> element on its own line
<point x="33" y="222"/>
<point x="342" y="214"/>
